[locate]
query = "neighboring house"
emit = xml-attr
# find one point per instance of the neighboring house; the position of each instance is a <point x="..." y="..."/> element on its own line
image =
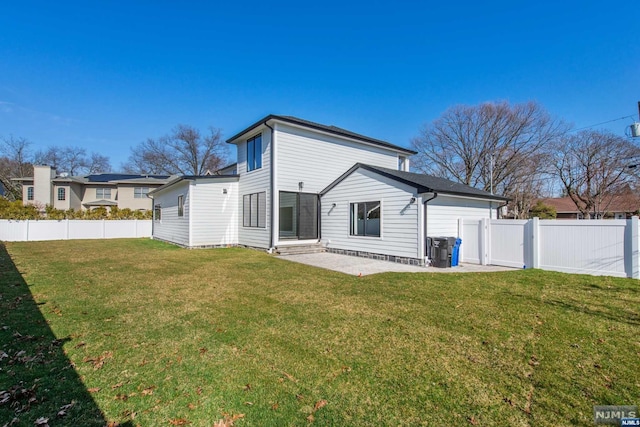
<point x="301" y="183"/>
<point x="620" y="206"/>
<point x="64" y="192"/>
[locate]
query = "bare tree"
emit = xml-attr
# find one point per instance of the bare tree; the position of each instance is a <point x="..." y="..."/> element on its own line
<point x="491" y="146"/>
<point x="14" y="163"/>
<point x="592" y="166"/>
<point x="97" y="163"/>
<point x="73" y="160"/>
<point x="184" y="151"/>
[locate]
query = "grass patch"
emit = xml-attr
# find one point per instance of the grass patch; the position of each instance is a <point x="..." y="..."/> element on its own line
<point x="141" y="332"/>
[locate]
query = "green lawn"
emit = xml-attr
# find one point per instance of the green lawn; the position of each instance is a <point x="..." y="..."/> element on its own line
<point x="137" y="332"/>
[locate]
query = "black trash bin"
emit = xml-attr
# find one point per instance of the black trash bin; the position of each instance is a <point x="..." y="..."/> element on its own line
<point x="441" y="252"/>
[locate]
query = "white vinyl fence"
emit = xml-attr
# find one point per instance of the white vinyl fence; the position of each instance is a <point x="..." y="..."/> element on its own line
<point x="597" y="247"/>
<point x="67" y="229"/>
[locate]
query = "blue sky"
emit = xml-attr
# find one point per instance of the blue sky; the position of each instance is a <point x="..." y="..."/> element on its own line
<point x="106" y="75"/>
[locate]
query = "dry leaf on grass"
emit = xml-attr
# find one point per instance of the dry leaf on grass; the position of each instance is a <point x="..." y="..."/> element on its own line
<point x="93" y="389"/>
<point x="179" y="422"/>
<point x="42" y="422"/>
<point x="228" y="420"/>
<point x="319" y="404"/>
<point x="289" y="377"/>
<point x="98" y="362"/>
<point x="148" y="391"/>
<point x="62" y="412"/>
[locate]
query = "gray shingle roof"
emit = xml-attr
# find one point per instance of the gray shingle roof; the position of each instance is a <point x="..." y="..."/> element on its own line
<point x="422" y="182"/>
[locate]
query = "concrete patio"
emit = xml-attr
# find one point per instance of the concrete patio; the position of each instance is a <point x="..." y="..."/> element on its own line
<point x="365" y="266"/>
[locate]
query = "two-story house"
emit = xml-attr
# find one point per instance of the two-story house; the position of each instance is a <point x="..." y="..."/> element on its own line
<point x="298" y="182"/>
<point x="65" y="192"/>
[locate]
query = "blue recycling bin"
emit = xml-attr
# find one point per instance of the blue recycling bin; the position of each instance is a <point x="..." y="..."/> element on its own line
<point x="455" y="253"/>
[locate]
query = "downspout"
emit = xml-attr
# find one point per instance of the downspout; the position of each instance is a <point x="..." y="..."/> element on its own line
<point x="272" y="186"/>
<point x="425" y="218"/>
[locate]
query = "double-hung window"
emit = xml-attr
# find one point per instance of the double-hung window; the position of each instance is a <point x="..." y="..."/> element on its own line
<point x="365" y="219"/>
<point x="62" y="194"/>
<point x="103" y="193"/>
<point x="254" y="210"/>
<point x="140" y="192"/>
<point x="254" y="153"/>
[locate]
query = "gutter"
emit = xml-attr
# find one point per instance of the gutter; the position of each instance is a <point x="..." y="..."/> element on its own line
<point x="272" y="174"/>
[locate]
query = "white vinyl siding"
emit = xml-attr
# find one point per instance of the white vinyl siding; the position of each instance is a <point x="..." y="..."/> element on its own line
<point x="171" y="227"/>
<point x="255" y="181"/>
<point x="443" y="213"/>
<point x="398" y="217"/>
<point x="214" y="213"/>
<point x="317" y="159"/>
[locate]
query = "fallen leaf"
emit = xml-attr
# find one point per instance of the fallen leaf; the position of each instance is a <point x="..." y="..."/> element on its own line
<point x="63" y="409"/>
<point x="473" y="420"/>
<point x="248" y="403"/>
<point x="311" y="418"/>
<point x="148" y="391"/>
<point x="121" y="396"/>
<point x="93" y="389"/>
<point x="191" y="406"/>
<point x="275" y="406"/>
<point x="80" y="344"/>
<point x="115" y="386"/>
<point x="42" y="421"/>
<point x="203" y="350"/>
<point x="289" y="377"/>
<point x="299" y="397"/>
<point x="319" y="404"/>
<point x="179" y="422"/>
<point x="98" y="362"/>
<point x="247" y="387"/>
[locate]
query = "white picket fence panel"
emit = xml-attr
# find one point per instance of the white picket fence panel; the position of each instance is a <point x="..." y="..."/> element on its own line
<point x="597" y="247"/>
<point x="68" y="229"/>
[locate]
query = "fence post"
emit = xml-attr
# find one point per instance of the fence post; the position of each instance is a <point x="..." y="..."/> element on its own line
<point x="104" y="231"/>
<point x="535" y="243"/>
<point x="26" y="237"/>
<point x="484" y="241"/>
<point x="633" y="253"/>
<point x="67" y="229"/>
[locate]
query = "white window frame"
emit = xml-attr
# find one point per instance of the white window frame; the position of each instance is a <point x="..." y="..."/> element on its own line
<point x="106" y="193"/>
<point x="30" y="192"/>
<point x="181" y="206"/>
<point x="140" y="192"/>
<point x="62" y="194"/>
<point x="353" y="226"/>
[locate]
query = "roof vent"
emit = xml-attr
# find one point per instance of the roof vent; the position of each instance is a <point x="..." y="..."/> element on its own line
<point x="64" y="174"/>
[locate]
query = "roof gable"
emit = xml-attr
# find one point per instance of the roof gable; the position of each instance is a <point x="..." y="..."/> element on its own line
<point x="334" y="130"/>
<point x="421" y="182"/>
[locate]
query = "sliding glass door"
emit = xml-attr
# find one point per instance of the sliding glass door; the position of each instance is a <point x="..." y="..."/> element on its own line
<point x="298" y="215"/>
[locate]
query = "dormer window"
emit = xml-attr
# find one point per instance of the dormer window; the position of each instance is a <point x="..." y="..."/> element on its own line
<point x="254" y="153"/>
